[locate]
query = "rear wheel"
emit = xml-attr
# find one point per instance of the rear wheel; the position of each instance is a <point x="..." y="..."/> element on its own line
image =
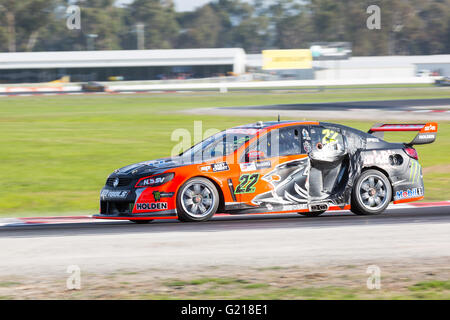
<point x="371" y="193"/>
<point x="312" y="214"/>
<point x="197" y="200"/>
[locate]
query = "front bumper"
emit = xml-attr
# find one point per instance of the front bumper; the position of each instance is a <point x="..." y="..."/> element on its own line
<point x="117" y="203"/>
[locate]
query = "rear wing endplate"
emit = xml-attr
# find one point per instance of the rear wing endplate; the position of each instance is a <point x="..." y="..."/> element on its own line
<point x="427" y="132"/>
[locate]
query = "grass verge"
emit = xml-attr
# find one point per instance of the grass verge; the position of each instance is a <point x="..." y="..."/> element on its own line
<point x="346" y="282"/>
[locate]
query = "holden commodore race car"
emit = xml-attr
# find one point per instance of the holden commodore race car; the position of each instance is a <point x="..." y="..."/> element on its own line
<point x="272" y="167"/>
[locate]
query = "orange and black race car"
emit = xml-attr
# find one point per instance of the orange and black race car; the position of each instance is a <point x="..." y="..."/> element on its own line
<point x="272" y="167"/>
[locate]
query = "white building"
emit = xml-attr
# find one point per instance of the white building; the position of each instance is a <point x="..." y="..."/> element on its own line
<point x="129" y="64"/>
<point x="375" y="67"/>
<point x="199" y="63"/>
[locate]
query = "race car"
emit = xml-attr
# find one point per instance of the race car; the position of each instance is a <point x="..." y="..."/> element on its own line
<point x="444" y="81"/>
<point x="92" y="86"/>
<point x="272" y="167"/>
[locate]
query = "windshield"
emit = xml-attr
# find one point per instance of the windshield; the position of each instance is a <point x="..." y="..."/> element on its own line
<point x="219" y="145"/>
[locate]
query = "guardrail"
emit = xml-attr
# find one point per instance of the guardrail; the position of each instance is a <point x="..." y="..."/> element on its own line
<point x="221" y="86"/>
<point x="270" y="84"/>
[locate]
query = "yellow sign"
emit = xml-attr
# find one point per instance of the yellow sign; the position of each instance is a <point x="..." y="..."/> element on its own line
<point x="287" y="59"/>
<point x="64" y="79"/>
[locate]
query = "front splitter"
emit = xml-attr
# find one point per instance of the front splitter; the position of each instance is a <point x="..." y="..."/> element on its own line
<point x="171" y="215"/>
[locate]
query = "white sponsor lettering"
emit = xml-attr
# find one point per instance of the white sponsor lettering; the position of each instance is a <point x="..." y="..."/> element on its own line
<point x="151" y="206"/>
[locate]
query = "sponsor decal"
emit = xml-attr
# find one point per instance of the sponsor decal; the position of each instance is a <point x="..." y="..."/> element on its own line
<point x="429" y="127"/>
<point x="221" y="166"/>
<point x="294" y="207"/>
<point x="158" y="195"/>
<point x="415" y="171"/>
<point x="252" y="166"/>
<point x="377" y="157"/>
<point x="401" y="127"/>
<point x="307" y="147"/>
<point x="114" y="194"/>
<point x="426" y="136"/>
<point x="410" y="193"/>
<point x="151" y="206"/>
<point x="373" y="140"/>
<point x="248" y="166"/>
<point x="153" y="181"/>
<point x="205" y="168"/>
<point x="156" y="180"/>
<point x="305" y="134"/>
<point x="263" y="164"/>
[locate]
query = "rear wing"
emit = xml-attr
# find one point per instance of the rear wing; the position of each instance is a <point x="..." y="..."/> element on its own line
<point x="427" y="132"/>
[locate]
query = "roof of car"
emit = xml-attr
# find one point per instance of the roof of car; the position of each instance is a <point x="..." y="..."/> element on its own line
<point x="273" y="124"/>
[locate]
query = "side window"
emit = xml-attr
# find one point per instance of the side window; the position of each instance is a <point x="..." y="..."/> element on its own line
<point x="290" y="140"/>
<point x="261" y="149"/>
<point x="278" y="142"/>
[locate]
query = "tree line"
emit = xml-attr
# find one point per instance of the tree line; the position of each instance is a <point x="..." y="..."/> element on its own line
<point x="407" y="26"/>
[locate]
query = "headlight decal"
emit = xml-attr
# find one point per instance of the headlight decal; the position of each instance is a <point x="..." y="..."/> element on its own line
<point x="155" y="181"/>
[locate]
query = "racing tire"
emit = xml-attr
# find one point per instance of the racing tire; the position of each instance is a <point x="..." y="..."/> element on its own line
<point x="312" y="214"/>
<point x="371" y="193"/>
<point x="141" y="221"/>
<point x="197" y="200"/>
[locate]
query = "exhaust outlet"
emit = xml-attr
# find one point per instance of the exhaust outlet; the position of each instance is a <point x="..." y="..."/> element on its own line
<point x="318" y="207"/>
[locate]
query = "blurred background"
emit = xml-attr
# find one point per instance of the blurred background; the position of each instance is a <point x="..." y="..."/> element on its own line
<point x="87" y="87"/>
<point x="82" y="81"/>
<point x="344" y="39"/>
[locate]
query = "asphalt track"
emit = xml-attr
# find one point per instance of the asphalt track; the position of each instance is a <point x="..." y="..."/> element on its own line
<point x="391" y="105"/>
<point x="404" y="234"/>
<point x="387" y="110"/>
<point x="234" y="222"/>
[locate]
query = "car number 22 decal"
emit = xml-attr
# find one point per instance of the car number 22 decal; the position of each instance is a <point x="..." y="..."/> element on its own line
<point x="329" y="136"/>
<point x="246" y="183"/>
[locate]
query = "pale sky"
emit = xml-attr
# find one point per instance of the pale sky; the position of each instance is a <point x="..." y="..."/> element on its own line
<point x="189" y="5"/>
<point x="180" y="5"/>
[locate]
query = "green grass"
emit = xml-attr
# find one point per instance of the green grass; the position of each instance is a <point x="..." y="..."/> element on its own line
<point x="8" y="284"/>
<point x="229" y="288"/>
<point x="57" y="151"/>
<point x="431" y="285"/>
<point x="201" y="281"/>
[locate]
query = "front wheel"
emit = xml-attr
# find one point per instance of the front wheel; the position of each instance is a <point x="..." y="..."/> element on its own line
<point x="197" y="200"/>
<point x="371" y="193"/>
